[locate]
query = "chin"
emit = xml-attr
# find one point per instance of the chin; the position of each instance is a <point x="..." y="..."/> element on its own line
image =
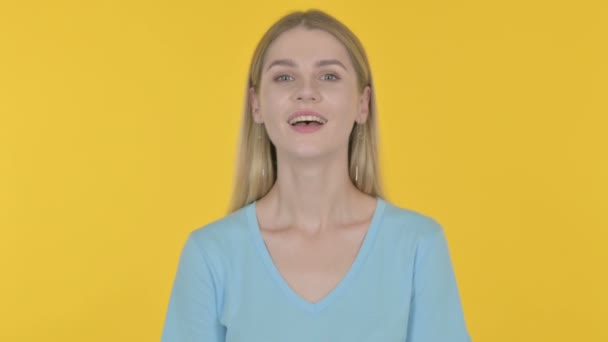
<point x="308" y="151"/>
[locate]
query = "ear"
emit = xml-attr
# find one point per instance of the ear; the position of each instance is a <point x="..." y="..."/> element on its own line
<point x="254" y="103"/>
<point x="364" y="104"/>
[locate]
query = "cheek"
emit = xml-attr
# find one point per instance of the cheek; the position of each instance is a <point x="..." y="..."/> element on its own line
<point x="273" y="98"/>
<point x="344" y="101"/>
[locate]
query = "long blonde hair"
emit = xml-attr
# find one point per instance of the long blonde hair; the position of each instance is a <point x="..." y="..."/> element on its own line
<point x="256" y="164"/>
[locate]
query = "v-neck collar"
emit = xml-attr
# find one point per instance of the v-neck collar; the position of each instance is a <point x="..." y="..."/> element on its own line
<point x="344" y="283"/>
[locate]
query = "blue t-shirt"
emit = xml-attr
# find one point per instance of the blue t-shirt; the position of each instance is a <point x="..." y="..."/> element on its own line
<point x="401" y="287"/>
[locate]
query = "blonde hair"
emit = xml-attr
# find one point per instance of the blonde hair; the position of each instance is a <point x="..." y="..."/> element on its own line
<point x="256" y="151"/>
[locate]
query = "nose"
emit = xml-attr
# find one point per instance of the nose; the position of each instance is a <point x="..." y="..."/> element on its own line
<point x="307" y="92"/>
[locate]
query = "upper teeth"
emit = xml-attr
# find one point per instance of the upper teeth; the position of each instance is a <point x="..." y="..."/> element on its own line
<point x="306" y="118"/>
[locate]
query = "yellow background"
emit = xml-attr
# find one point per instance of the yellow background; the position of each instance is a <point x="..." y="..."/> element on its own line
<point x="118" y="130"/>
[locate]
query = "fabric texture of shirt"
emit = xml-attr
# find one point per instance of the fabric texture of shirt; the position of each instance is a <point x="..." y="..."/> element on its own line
<point x="401" y="287"/>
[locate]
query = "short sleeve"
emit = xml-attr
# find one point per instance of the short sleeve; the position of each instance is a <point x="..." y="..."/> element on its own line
<point x="436" y="313"/>
<point x="192" y="311"/>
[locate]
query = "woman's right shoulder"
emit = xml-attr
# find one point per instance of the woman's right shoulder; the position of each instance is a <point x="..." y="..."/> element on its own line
<point x="223" y="233"/>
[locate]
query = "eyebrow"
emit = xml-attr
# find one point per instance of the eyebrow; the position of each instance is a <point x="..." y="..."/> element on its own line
<point x="293" y="64"/>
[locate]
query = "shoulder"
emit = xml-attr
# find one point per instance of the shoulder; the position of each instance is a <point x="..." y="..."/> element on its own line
<point x="412" y="235"/>
<point x="405" y="235"/>
<point x="223" y="234"/>
<point x="401" y="221"/>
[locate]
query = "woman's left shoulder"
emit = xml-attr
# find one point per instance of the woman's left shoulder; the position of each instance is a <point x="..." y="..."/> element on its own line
<point x="402" y="220"/>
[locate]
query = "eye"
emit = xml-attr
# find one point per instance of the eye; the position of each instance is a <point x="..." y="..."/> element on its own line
<point x="330" y="77"/>
<point x="283" y="78"/>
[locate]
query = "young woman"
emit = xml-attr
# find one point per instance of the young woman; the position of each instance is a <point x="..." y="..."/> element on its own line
<point x="310" y="250"/>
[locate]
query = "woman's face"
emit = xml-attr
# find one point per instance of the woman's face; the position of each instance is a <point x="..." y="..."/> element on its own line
<point x="308" y="71"/>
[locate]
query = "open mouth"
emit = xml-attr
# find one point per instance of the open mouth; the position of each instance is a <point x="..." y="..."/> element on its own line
<point x="307" y="120"/>
<point x="307" y="123"/>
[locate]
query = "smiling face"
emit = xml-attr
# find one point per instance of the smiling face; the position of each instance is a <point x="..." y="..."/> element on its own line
<point x="309" y="70"/>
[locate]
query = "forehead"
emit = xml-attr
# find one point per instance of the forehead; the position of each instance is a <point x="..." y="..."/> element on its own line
<point x="306" y="46"/>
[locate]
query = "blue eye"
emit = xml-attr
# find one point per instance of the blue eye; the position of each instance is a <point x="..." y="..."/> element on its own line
<point x="332" y="77"/>
<point x="283" y="78"/>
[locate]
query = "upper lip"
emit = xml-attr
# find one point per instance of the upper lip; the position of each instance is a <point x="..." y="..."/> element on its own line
<point x="305" y="112"/>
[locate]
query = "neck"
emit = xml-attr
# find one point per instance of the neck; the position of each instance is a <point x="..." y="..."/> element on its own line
<point x="313" y="195"/>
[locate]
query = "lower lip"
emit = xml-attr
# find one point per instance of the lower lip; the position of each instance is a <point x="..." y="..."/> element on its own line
<point x="306" y="128"/>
